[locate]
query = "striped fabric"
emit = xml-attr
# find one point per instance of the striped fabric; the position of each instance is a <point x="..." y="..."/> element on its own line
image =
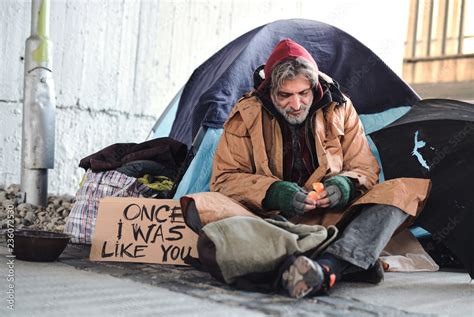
<point x="81" y="221"/>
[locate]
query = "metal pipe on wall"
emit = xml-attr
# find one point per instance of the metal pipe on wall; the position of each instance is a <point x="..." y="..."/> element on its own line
<point x="38" y="131"/>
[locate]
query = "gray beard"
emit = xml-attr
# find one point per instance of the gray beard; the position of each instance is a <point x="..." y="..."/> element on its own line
<point x="294" y="119"/>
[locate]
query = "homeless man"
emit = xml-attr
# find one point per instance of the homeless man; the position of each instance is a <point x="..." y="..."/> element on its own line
<point x="296" y="129"/>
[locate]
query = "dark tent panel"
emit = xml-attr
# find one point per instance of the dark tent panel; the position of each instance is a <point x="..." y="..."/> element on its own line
<point x="435" y="140"/>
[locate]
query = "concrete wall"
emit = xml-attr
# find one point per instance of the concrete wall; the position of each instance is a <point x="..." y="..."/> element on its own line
<point x="118" y="63"/>
<point x="440" y="70"/>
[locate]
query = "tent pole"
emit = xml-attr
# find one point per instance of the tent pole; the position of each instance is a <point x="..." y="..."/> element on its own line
<point x="38" y="129"/>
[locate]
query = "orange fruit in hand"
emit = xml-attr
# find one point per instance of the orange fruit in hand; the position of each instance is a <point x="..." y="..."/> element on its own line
<point x="318" y="187"/>
<point x="313" y="195"/>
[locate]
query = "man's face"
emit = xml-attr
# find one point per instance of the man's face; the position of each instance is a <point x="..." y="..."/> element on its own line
<point x="294" y="99"/>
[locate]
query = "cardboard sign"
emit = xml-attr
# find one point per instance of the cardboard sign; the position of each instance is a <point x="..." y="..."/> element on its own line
<point x="142" y="230"/>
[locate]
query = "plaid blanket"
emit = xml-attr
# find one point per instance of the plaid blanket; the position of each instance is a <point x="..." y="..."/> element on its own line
<point x="94" y="186"/>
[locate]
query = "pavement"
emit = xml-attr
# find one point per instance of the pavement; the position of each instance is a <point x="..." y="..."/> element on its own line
<point x="75" y="286"/>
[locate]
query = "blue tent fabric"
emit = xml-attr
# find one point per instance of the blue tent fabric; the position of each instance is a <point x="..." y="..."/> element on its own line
<point x="197" y="176"/>
<point x="218" y="83"/>
<point x="375" y="122"/>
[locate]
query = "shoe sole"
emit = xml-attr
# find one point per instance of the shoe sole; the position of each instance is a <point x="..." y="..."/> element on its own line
<point x="302" y="277"/>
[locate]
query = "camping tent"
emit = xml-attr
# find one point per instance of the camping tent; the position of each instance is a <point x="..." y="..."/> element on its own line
<point x="197" y="114"/>
<point x="199" y="111"/>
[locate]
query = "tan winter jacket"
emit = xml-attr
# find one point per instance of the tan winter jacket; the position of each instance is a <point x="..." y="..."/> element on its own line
<point x="249" y="158"/>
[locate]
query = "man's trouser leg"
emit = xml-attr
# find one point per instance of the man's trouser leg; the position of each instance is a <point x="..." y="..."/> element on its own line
<point x="364" y="238"/>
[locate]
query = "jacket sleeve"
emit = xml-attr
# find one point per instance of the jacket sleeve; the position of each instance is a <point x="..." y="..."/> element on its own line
<point x="358" y="161"/>
<point x="233" y="172"/>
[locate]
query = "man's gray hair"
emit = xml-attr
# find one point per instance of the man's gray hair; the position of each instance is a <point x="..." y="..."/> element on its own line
<point x="289" y="69"/>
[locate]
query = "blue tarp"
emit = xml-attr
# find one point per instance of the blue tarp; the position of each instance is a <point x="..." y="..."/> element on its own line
<point x="218" y="83"/>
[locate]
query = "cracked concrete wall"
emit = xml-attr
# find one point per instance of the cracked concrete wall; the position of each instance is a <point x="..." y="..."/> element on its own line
<point x="118" y="63"/>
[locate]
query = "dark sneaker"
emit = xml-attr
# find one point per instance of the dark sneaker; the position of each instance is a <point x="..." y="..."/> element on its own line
<point x="303" y="277"/>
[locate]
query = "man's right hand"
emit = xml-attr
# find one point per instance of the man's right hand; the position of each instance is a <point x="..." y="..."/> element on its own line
<point x="292" y="200"/>
<point x="302" y="203"/>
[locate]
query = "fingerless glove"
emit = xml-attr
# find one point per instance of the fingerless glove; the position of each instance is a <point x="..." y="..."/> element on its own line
<point x="346" y="188"/>
<point x="287" y="197"/>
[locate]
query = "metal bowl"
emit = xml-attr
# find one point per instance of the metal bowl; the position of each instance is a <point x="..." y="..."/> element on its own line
<point x="38" y="245"/>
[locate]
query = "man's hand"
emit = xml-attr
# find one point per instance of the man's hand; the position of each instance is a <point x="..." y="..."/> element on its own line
<point x="341" y="189"/>
<point x="334" y="195"/>
<point x="323" y="201"/>
<point x="302" y="203"/>
<point x="287" y="197"/>
<point x="292" y="200"/>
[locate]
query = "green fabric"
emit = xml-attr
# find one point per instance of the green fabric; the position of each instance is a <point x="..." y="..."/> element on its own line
<point x="280" y="196"/>
<point x="346" y="186"/>
<point x="250" y="245"/>
<point x="156" y="182"/>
